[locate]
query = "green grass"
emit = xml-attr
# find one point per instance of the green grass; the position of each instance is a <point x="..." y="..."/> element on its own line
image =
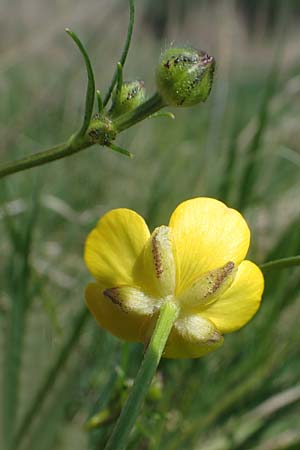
<point x="57" y="368"/>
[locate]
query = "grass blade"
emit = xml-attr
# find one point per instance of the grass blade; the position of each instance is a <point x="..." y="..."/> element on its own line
<point x="45" y="389"/>
<point x="18" y="286"/>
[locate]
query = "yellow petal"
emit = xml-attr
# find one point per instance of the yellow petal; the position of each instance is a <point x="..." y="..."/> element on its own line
<point x="207" y="234"/>
<point x="112" y="318"/>
<point x="240" y="302"/>
<point x="156" y="270"/>
<point x="112" y="248"/>
<point x="191" y="337"/>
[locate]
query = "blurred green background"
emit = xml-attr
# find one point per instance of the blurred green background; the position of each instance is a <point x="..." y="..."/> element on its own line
<point x="57" y="368"/>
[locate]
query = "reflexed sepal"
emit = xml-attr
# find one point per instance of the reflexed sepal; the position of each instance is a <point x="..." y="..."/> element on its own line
<point x="194" y="328"/>
<point x="184" y="76"/>
<point x="192" y="336"/>
<point x="132" y="300"/>
<point x="158" y="269"/>
<point x="130" y="95"/>
<point x="208" y="287"/>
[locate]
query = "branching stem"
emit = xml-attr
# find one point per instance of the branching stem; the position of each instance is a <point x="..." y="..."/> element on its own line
<point x="77" y="143"/>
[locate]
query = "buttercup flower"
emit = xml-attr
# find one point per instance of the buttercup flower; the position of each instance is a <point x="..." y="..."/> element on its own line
<point x="197" y="261"/>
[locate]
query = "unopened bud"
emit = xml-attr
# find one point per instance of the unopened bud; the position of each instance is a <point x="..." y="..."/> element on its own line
<point x="184" y="76"/>
<point x="131" y="95"/>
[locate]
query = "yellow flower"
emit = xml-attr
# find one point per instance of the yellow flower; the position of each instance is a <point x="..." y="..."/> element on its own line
<point x="197" y="261"/>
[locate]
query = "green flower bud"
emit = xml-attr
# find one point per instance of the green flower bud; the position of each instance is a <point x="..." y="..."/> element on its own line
<point x="131" y="95"/>
<point x="184" y="76"/>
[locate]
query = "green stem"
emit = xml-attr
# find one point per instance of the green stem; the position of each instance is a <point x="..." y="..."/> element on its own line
<point x="146" y="109"/>
<point x="119" y="78"/>
<point x="282" y="263"/>
<point x="43" y="157"/>
<point x="76" y="143"/>
<point x="124" y="53"/>
<point x="99" y="101"/>
<point x="127" y="419"/>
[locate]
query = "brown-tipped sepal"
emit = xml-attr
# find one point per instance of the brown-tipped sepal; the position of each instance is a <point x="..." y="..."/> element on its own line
<point x="132" y="300"/>
<point x="191" y="337"/>
<point x="184" y="76"/>
<point x="209" y="286"/>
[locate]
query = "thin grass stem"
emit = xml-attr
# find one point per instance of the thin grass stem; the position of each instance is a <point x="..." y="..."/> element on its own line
<point x="45" y="389"/>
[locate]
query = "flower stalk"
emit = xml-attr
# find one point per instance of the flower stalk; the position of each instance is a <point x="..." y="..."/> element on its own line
<point x="99" y="132"/>
<point x="120" y="435"/>
<point x="146" y="109"/>
<point x="37" y="159"/>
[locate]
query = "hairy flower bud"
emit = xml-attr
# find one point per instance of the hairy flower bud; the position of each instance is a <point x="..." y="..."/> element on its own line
<point x="184" y="76"/>
<point x="130" y="96"/>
